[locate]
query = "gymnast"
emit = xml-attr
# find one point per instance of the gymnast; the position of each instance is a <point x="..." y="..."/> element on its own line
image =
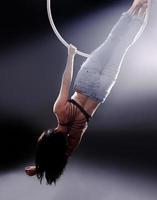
<point x="93" y="84"/>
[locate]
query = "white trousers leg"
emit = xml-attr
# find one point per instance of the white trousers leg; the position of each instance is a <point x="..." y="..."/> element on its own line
<point x="99" y="72"/>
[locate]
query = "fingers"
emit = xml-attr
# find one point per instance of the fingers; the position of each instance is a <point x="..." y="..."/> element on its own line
<point x="30" y="170"/>
<point x="72" y="46"/>
<point x="72" y="49"/>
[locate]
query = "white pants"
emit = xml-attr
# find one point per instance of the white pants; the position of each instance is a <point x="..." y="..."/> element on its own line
<point x="99" y="72"/>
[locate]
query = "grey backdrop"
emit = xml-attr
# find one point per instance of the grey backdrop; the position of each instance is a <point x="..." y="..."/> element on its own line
<point x="117" y="156"/>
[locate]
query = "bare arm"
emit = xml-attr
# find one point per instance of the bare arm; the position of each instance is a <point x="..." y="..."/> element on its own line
<point x="66" y="79"/>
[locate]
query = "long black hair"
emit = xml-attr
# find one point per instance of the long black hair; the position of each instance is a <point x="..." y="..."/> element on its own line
<point x="51" y="156"/>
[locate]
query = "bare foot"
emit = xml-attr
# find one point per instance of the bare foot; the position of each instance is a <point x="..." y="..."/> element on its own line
<point x="139" y="7"/>
<point x="140" y="3"/>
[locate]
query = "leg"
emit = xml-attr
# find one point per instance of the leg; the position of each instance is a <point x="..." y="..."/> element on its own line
<point x="105" y="60"/>
<point x="111" y="70"/>
<point x="88" y="77"/>
<point x="123" y="34"/>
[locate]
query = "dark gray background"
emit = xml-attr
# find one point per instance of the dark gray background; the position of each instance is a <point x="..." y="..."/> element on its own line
<point x="119" y="149"/>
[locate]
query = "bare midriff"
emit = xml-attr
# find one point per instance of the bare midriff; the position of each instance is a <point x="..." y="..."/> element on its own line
<point x="86" y="102"/>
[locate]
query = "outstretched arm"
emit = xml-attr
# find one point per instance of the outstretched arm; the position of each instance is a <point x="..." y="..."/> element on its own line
<point x="66" y="78"/>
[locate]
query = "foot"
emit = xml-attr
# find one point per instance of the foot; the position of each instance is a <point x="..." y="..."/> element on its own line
<point x="140" y="3"/>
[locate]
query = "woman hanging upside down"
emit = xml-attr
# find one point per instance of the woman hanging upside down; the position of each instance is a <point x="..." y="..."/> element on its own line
<point x="93" y="84"/>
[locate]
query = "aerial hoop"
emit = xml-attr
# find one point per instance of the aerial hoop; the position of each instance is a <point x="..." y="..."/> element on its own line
<point x="56" y="31"/>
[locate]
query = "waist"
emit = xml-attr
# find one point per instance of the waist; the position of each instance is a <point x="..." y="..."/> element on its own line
<point x="82" y="110"/>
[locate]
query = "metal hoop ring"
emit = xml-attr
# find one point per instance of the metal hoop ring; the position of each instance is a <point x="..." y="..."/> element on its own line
<point x="56" y="31"/>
